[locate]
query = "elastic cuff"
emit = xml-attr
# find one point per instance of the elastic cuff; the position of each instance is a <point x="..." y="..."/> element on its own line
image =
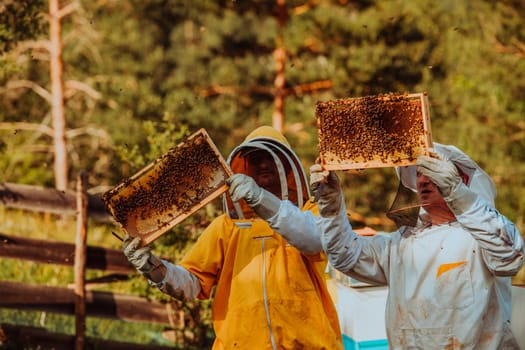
<point x="267" y="206"/>
<point x="158" y="272"/>
<point x="332" y="206"/>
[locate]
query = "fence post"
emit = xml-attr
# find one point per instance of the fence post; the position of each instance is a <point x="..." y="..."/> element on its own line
<point x="80" y="261"/>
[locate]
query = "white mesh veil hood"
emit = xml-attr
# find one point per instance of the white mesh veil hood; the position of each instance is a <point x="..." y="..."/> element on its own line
<point x="479" y="181"/>
<point x="291" y="173"/>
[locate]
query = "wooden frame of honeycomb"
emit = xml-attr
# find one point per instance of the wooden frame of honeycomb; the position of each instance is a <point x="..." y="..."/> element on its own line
<point x="170" y="189"/>
<point x="374" y="131"/>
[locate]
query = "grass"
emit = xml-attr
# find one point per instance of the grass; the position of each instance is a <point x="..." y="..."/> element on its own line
<point x="51" y="227"/>
<point x="106" y="329"/>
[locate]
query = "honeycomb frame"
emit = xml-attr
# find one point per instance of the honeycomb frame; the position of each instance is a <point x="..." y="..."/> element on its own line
<point x="170" y="189"/>
<point x="387" y="130"/>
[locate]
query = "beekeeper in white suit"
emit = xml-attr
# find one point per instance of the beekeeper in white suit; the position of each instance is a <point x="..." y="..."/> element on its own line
<point x="449" y="275"/>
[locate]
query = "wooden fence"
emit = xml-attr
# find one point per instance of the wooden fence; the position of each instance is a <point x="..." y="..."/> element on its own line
<point x="77" y="300"/>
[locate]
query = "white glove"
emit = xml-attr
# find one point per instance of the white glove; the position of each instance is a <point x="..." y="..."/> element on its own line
<point x="317" y="175"/>
<point x="264" y="203"/>
<point x="444" y="174"/>
<point x="441" y="172"/>
<point x="244" y="186"/>
<point x="327" y="190"/>
<point x="143" y="260"/>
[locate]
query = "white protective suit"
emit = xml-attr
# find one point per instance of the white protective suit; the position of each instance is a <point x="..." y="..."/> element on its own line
<point x="449" y="285"/>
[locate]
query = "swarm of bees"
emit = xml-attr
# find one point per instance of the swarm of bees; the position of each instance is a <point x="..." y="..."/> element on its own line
<point x="373" y="131"/>
<point x="175" y="184"/>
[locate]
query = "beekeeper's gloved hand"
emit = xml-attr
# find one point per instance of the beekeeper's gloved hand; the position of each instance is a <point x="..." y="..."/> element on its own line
<point x="327" y="190"/>
<point x="143" y="260"/>
<point x="444" y="174"/>
<point x="264" y="203"/>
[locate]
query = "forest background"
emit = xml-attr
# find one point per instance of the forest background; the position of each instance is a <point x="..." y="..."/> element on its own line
<point x="140" y="75"/>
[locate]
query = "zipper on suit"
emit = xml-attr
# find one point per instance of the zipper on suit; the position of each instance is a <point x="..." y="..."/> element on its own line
<point x="265" y="295"/>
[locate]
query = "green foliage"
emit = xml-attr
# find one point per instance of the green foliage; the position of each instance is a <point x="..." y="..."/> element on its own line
<point x="19" y="20"/>
<point x="24" y="162"/>
<point x="160" y="137"/>
<point x="159" y="70"/>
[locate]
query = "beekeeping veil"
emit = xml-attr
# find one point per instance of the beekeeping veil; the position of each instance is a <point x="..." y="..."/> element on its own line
<point x="405" y="209"/>
<point x="293" y="180"/>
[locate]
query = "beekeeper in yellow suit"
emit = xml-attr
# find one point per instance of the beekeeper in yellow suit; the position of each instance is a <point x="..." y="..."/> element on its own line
<point x="268" y="269"/>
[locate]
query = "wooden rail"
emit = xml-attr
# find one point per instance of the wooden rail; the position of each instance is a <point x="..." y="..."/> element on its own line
<point x="61" y="300"/>
<point x="61" y="253"/>
<point x="77" y="300"/>
<point x="26" y="337"/>
<point x="25" y="296"/>
<point x="50" y="200"/>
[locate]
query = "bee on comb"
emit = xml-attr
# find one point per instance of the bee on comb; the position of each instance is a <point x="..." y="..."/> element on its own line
<point x="373" y="131"/>
<point x="170" y="189"/>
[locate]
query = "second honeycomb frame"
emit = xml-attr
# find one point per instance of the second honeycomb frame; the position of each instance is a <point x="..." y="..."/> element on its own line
<point x="374" y="131"/>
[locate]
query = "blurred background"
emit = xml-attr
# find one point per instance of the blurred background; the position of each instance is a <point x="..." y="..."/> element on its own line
<point x="107" y="86"/>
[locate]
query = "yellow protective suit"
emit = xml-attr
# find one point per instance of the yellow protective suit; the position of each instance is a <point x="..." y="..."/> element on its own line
<point x="266" y="293"/>
<point x="253" y="268"/>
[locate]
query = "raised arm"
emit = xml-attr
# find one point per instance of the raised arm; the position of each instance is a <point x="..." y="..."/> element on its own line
<point x="296" y="226"/>
<point x="497" y="236"/>
<point x="365" y="258"/>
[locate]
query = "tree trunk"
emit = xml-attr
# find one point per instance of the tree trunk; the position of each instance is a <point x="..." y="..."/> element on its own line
<point x="279" y="55"/>
<point x="57" y="96"/>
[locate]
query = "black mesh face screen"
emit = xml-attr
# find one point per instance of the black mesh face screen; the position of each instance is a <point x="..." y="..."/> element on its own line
<point x="405" y="208"/>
